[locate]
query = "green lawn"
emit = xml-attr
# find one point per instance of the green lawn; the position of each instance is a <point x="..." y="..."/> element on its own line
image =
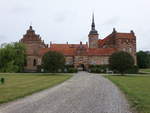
<point x="145" y="70"/>
<point x="20" y="85"/>
<point x="137" y="90"/>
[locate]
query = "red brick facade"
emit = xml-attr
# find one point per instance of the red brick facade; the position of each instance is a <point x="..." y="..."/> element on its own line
<point x="33" y="44"/>
<point x="96" y="52"/>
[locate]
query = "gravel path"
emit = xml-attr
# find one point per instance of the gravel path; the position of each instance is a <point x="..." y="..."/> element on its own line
<point x="83" y="93"/>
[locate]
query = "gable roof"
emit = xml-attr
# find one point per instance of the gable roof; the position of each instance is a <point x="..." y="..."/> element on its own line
<point x="114" y="35"/>
<point x="65" y="51"/>
<point x="73" y="51"/>
<point x="103" y="41"/>
<point x="67" y="45"/>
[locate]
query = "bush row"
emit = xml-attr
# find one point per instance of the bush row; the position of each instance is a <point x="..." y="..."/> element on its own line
<point x="98" y="68"/>
<point x="65" y="69"/>
<point x="70" y="69"/>
<point x="105" y="68"/>
<point x="93" y="69"/>
<point x="133" y="70"/>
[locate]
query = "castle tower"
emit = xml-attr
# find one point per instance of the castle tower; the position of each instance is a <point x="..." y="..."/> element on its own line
<point x="93" y="35"/>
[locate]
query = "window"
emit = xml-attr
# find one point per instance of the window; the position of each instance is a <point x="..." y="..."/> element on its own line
<point x="34" y="62"/>
<point x="124" y="49"/>
<point x="105" y="60"/>
<point x="130" y="50"/>
<point x="39" y="61"/>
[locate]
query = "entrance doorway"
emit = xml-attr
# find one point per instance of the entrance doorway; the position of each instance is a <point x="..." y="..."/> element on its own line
<point x="81" y="67"/>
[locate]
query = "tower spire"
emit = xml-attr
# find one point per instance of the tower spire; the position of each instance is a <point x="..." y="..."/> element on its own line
<point x="93" y="35"/>
<point x="93" y="30"/>
<point x="93" y="22"/>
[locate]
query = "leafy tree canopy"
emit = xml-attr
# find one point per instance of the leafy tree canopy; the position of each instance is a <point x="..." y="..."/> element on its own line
<point x="143" y="59"/>
<point x="53" y="61"/>
<point x="121" y="61"/>
<point x="12" y="57"/>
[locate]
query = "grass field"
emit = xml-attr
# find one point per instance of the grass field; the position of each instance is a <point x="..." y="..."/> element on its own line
<point x="137" y="90"/>
<point x="145" y="70"/>
<point x="20" y="85"/>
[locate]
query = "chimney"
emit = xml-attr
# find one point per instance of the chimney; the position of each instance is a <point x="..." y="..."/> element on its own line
<point x="86" y="43"/>
<point x="80" y="42"/>
<point x="114" y="30"/>
<point x="132" y="32"/>
<point x="50" y="43"/>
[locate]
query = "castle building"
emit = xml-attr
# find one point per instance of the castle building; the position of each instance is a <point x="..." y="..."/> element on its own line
<point x="95" y="52"/>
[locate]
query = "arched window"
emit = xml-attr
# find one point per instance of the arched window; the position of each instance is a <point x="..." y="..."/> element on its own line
<point x="34" y="62"/>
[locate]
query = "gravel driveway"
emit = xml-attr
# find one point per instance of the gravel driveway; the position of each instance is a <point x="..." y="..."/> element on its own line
<point x="83" y="93"/>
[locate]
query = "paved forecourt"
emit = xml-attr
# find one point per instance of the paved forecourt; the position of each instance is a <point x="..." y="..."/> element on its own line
<point x="83" y="93"/>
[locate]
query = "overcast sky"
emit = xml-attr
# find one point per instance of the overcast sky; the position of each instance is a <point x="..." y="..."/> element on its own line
<point x="60" y="21"/>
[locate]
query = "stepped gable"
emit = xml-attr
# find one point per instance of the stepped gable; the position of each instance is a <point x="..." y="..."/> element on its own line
<point x="31" y="36"/>
<point x="33" y="42"/>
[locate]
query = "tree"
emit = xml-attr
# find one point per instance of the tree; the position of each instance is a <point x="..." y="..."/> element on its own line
<point x="52" y="61"/>
<point x="20" y="56"/>
<point x="143" y="59"/>
<point x="121" y="61"/>
<point x="12" y="57"/>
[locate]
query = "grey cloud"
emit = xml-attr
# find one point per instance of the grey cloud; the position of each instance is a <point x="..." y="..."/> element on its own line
<point x="112" y="21"/>
<point x="70" y="20"/>
<point x="20" y="10"/>
<point x="2" y="39"/>
<point x="60" y="17"/>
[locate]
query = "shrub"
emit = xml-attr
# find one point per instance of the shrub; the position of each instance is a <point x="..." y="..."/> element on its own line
<point x="143" y="59"/>
<point x="53" y="61"/>
<point x="39" y="68"/>
<point x="98" y="68"/>
<point x="70" y="69"/>
<point x="121" y="61"/>
<point x="133" y="70"/>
